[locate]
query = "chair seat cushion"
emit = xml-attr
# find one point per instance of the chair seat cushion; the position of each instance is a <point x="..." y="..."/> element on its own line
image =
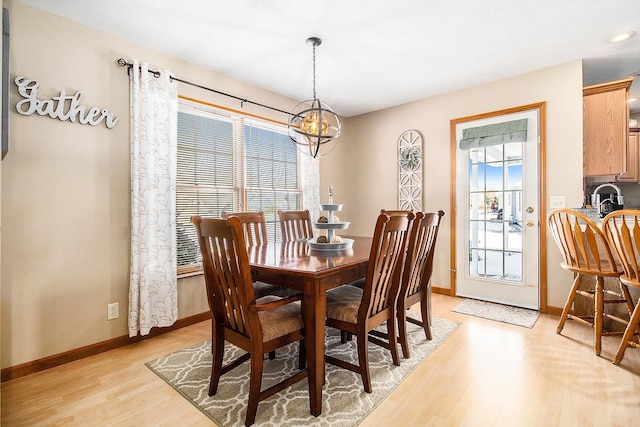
<point x="343" y="303"/>
<point x="279" y="321"/>
<point x="261" y="289"/>
<point x="358" y="283"/>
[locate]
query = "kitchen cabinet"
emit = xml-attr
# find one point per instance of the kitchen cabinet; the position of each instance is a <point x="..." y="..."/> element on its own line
<point x="633" y="171"/>
<point x="605" y="128"/>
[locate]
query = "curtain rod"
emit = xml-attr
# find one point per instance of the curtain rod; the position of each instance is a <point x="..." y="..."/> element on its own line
<point x="123" y="63"/>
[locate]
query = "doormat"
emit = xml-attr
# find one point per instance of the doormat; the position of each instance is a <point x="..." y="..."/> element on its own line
<point x="502" y="313"/>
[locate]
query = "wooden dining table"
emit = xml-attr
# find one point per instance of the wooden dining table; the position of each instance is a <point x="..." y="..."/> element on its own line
<point x="295" y="265"/>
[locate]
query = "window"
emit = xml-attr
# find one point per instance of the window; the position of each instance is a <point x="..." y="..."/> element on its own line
<point x="228" y="162"/>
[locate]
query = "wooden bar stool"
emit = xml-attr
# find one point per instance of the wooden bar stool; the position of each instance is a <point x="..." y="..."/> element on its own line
<point x="585" y="251"/>
<point x="622" y="230"/>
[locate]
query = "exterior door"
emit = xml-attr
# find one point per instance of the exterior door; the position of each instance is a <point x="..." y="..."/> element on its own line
<point x="497" y="207"/>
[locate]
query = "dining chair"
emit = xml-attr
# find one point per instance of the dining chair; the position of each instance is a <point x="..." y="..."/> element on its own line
<point x="622" y="230"/>
<point x="295" y="225"/>
<point x="415" y="281"/>
<point x="585" y="251"/>
<point x="257" y="326"/>
<point x="415" y="284"/>
<point x="357" y="311"/>
<point x="254" y="227"/>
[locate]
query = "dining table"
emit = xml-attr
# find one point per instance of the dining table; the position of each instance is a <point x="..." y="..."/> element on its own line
<point x="312" y="272"/>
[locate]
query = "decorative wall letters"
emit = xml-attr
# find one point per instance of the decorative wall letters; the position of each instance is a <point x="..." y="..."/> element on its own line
<point x="62" y="107"/>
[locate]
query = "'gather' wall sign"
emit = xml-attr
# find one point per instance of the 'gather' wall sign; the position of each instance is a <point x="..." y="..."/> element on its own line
<point x="62" y="107"/>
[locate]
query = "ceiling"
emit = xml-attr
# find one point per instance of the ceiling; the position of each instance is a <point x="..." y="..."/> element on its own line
<point x="375" y="53"/>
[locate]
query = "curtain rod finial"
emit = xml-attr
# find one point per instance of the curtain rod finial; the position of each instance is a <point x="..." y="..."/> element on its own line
<point x="121" y="62"/>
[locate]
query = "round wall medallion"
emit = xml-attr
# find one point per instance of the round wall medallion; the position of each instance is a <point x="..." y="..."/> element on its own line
<point x="409" y="158"/>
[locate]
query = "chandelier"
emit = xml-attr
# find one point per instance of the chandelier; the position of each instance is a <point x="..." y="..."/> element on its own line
<point x="313" y="123"/>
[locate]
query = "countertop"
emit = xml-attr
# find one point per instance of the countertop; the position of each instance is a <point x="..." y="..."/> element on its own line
<point x="592" y="213"/>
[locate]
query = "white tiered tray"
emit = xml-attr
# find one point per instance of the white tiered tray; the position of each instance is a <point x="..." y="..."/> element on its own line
<point x="328" y="226"/>
<point x="331" y="207"/>
<point x="346" y="244"/>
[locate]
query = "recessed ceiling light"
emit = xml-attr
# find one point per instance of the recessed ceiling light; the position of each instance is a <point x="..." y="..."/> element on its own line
<point x="622" y="37"/>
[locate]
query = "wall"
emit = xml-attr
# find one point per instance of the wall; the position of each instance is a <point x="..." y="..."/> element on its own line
<point x="372" y="177"/>
<point x="65" y="188"/>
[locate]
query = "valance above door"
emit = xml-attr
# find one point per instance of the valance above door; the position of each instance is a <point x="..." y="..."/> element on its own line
<point x="494" y="134"/>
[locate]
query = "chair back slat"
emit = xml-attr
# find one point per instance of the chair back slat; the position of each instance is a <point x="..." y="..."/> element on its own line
<point x="254" y="227"/>
<point x="387" y="254"/>
<point x="226" y="270"/>
<point x="295" y="225"/>
<point x="582" y="244"/>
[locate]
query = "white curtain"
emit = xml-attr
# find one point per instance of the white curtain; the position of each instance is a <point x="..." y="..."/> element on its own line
<point x="310" y="180"/>
<point x="153" y="293"/>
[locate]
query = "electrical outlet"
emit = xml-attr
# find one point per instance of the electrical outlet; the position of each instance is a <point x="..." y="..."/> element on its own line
<point x="113" y="311"/>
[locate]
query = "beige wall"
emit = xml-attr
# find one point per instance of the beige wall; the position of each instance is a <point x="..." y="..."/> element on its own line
<point x="371" y="145"/>
<point x="65" y="186"/>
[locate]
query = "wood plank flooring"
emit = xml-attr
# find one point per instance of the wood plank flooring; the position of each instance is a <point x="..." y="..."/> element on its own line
<point x="485" y="374"/>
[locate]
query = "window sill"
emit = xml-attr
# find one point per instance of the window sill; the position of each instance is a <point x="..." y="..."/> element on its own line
<point x="188" y="271"/>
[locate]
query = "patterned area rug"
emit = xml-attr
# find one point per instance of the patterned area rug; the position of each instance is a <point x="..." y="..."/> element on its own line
<point x="345" y="402"/>
<point x="502" y="313"/>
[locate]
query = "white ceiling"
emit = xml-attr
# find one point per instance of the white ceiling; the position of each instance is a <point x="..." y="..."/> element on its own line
<point x="375" y="53"/>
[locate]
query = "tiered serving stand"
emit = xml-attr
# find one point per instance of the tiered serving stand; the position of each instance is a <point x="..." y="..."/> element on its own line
<point x="331" y="226"/>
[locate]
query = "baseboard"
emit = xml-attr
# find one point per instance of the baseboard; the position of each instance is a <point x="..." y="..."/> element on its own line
<point x="441" y="291"/>
<point x="18" y="371"/>
<point x="557" y="311"/>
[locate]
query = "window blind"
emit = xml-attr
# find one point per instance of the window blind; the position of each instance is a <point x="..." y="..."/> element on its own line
<point x="271" y="171"/>
<point x="227" y="162"/>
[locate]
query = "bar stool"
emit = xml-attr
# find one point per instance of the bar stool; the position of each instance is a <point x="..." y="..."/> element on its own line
<point x="585" y="251"/>
<point x="622" y="230"/>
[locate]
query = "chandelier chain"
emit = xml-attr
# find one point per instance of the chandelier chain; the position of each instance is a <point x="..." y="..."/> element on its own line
<point x="314" y="71"/>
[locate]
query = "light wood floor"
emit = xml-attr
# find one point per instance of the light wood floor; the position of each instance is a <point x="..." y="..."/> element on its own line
<point x="485" y="374"/>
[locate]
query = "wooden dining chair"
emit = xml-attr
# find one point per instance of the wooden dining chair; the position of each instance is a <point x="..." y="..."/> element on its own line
<point x="415" y="283"/>
<point x="585" y="251"/>
<point x="295" y="225"/>
<point x="254" y="227"/>
<point x="257" y="326"/>
<point x="357" y="311"/>
<point x="622" y="230"/>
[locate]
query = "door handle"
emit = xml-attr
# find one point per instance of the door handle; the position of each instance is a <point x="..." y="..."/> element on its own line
<point x="529" y="209"/>
<point x="529" y="223"/>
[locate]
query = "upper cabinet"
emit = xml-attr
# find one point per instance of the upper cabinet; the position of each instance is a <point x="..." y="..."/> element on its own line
<point x="633" y="156"/>
<point x="606" y="128"/>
